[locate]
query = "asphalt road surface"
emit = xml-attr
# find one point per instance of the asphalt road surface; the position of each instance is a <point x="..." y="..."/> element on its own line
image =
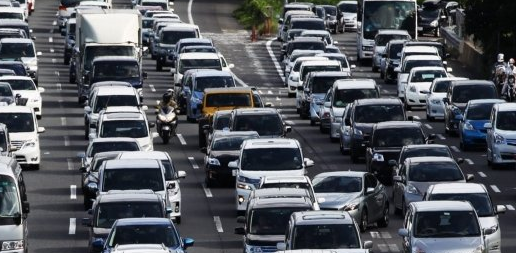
<point x="208" y="214"/>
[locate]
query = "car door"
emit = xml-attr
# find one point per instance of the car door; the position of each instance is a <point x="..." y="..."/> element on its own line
<point x="376" y="199"/>
<point x="407" y="224"/>
<point x="489" y="133"/>
<point x="398" y="187"/>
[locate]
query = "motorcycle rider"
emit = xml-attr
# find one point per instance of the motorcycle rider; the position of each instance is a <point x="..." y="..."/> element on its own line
<point x="508" y="88"/>
<point x="168" y="99"/>
<point x="510" y="68"/>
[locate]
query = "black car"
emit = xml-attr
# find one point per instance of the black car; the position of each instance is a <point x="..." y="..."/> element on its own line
<point x="459" y="94"/>
<point x="392" y="58"/>
<point x="17" y="66"/>
<point x="224" y="148"/>
<point x="266" y="121"/>
<point x="430" y="17"/>
<point x="366" y="113"/>
<point x="387" y="140"/>
<point x="420" y="150"/>
<point x="90" y="176"/>
<point x="167" y="39"/>
<point x="304" y="43"/>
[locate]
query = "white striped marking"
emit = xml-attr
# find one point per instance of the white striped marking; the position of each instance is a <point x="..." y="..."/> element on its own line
<point x="69" y="162"/>
<point x="207" y="191"/>
<point x="193" y="163"/>
<point x="51" y="50"/>
<point x="469" y="161"/>
<point x="482" y="174"/>
<point x="274" y="60"/>
<point x="58" y="85"/>
<point x="66" y="141"/>
<point x="388" y="247"/>
<point x="152" y="88"/>
<point x="495" y="188"/>
<point x="50" y="39"/>
<point x="454" y="148"/>
<point x="278" y="99"/>
<point x="378" y="235"/>
<point x="441" y="137"/>
<point x="181" y="139"/>
<point x="73" y="191"/>
<point x="63" y="121"/>
<point x="428" y="126"/>
<point x="56" y="72"/>
<point x="189" y="10"/>
<point x="54" y="23"/>
<point x="71" y="228"/>
<point x="510" y="207"/>
<point x="260" y="91"/>
<point x="218" y="224"/>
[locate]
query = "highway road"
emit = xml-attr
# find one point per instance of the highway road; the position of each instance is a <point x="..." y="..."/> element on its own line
<point x="208" y="214"/>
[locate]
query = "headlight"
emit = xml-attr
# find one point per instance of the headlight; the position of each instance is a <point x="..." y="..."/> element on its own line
<point x="13" y="245"/>
<point x="357" y="132"/>
<point x="367" y="48"/>
<point x="213" y="161"/>
<point x="468" y="126"/>
<point x="413" y="88"/>
<point x="352" y="206"/>
<point x="435" y="101"/>
<point x="499" y="139"/>
<point x="434" y="23"/>
<point x="354" y="18"/>
<point x="294" y="78"/>
<point x="29" y="144"/>
<point x="166" y="118"/>
<point x="243" y="183"/>
<point x="413" y="190"/>
<point x="378" y="157"/>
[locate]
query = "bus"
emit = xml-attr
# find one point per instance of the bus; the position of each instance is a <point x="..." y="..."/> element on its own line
<point x="374" y="15"/>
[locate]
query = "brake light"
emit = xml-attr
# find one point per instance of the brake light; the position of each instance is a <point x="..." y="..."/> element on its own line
<point x="62" y="8"/>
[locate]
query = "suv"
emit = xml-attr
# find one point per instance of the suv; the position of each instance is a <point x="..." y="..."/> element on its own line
<point x="381" y="39"/>
<point x="458" y="95"/>
<point x="501" y="135"/>
<point x="259" y="157"/>
<point x="387" y="140"/>
<point x="167" y="39"/>
<point x="323" y="230"/>
<point x="344" y="92"/>
<point x="265" y="222"/>
<point x="266" y="121"/>
<point x="24" y="133"/>
<point x="115" y="205"/>
<point x="172" y="177"/>
<point x="434" y="98"/>
<point x="479" y="198"/>
<point x="364" y="114"/>
<point x="442" y="226"/>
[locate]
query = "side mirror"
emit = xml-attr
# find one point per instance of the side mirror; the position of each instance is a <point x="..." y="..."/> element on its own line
<point x="368" y="245"/>
<point x="308" y="162"/>
<point x="151" y="124"/>
<point x="181" y="174"/>
<point x="231" y="65"/>
<point x="327" y="104"/>
<point x="87" y="109"/>
<point x="41" y="130"/>
<point x="239" y="231"/>
<point x="171" y="186"/>
<point x="233" y="164"/>
<point x="446" y="100"/>
<point x="204" y="150"/>
<point x="86" y="222"/>
<point x="240" y="219"/>
<point x="397" y="179"/>
<point x="500" y="209"/>
<point x="449" y="70"/>
<point x="469" y="177"/>
<point x="403" y="232"/>
<point x="488" y="125"/>
<point x="288" y="129"/>
<point x="369" y="190"/>
<point x="281" y="246"/>
<point x="188" y="242"/>
<point x="280" y="21"/>
<point x="459" y="160"/>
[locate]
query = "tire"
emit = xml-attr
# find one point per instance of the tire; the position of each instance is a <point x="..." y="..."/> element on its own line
<point x="341" y="147"/>
<point x="407" y="106"/>
<point x="363" y="221"/>
<point x="384" y="221"/>
<point x="153" y="57"/>
<point x="202" y="139"/>
<point x="397" y="211"/>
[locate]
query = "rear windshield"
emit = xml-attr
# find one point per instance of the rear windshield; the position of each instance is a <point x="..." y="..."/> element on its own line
<point x="326" y="236"/>
<point x="504" y="120"/>
<point x="271" y="221"/>
<point x="99" y="147"/>
<point x="417" y="152"/>
<point x="18" y="122"/>
<point x="350" y="8"/>
<point x="315" y="45"/>
<point x="480" y="201"/>
<point x="263" y="124"/>
<point x="229" y="143"/>
<point x="172" y="37"/>
<point x="308" y="69"/>
<point x="187" y="64"/>
<point x="394" y="50"/>
<point x="133" y="179"/>
<point x="343" y="97"/>
<point x="16" y="50"/>
<point x="378" y="113"/>
<point x="229" y="99"/>
<point x="434" y="172"/>
<point x="441" y="86"/>
<point x="479" y="111"/>
<point x="427" y="76"/>
<point x="397" y="137"/>
<point x="465" y="93"/>
<point x="323" y="84"/>
<point x="124" y="128"/>
<point x="315" y="24"/>
<point x="202" y="83"/>
<point x="108" y="213"/>
<point x="421" y="63"/>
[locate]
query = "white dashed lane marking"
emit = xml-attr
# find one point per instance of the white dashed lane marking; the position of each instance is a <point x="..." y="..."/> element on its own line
<point x="428" y="126"/>
<point x="73" y="191"/>
<point x="218" y="224"/>
<point x="482" y="174"/>
<point x="469" y="161"/>
<point x="495" y="188"/>
<point x="66" y="141"/>
<point x="207" y="191"/>
<point x="71" y="228"/>
<point x="50" y="39"/>
<point x="510" y="207"/>
<point x="455" y="149"/>
<point x="181" y="139"/>
<point x="193" y="163"/>
<point x="152" y="88"/>
<point x="63" y="121"/>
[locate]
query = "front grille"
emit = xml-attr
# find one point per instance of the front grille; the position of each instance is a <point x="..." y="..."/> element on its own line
<point x="21" y="159"/>
<point x="508" y="156"/>
<point x="17" y="144"/>
<point x="422" y="101"/>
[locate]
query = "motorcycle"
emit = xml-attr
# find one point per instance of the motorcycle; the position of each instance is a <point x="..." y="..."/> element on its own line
<point x="166" y="122"/>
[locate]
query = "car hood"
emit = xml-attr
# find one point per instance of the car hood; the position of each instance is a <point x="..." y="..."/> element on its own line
<point x="8" y="100"/>
<point x="448" y="245"/>
<point x="478" y="124"/>
<point x="261" y="173"/>
<point x="423" y="186"/>
<point x="11" y="232"/>
<point x="423" y="86"/>
<point x="25" y="136"/>
<point x="334" y="200"/>
<point x="27" y="93"/>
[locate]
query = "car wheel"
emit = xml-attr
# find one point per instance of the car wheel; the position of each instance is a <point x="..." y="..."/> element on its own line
<point x="291" y="95"/>
<point x="363" y="221"/>
<point x="153" y="57"/>
<point x="71" y="79"/>
<point x="384" y="221"/>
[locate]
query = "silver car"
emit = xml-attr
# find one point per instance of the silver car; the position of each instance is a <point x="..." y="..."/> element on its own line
<point x="344" y="131"/>
<point x="442" y="227"/>
<point x="434" y="98"/>
<point x="359" y="193"/>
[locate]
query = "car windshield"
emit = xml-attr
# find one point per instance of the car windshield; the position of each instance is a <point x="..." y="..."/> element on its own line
<point x="187" y="64"/>
<point x="124" y="128"/>
<point x="271" y="159"/>
<point x="172" y="37"/>
<point x="308" y="69"/>
<point x="323" y="84"/>
<point x="3" y="141"/>
<point x="202" y="83"/>
<point x="465" y="93"/>
<point x="378" y="113"/>
<point x="383" y="39"/>
<point x="315" y="45"/>
<point x="16" y="50"/>
<point x="342" y="97"/>
<point x="229" y="143"/>
<point x="430" y="13"/>
<point x="421" y="63"/>
<point x="505" y="120"/>
<point x="133" y="179"/>
<point x="397" y="137"/>
<point x="445" y="224"/>
<point x="265" y="125"/>
<point x="11" y="15"/>
<point x="480" y="201"/>
<point x="102" y="102"/>
<point x="9" y="197"/>
<point x="394" y="50"/>
<point x="116" y="69"/>
<point x="5" y="90"/>
<point x="270" y="221"/>
<point x="18" y="122"/>
<point x="147" y="23"/>
<point x="108" y="213"/>
<point x="164" y="6"/>
<point x="441" y="87"/>
<point x="331" y="10"/>
<point x="341" y="59"/>
<point x="479" y="111"/>
<point x="228" y="99"/>
<point x="427" y="76"/>
<point x="165" y="234"/>
<point x="97" y="162"/>
<point x="424" y="151"/>
<point x="21" y="84"/>
<point x="349" y="8"/>
<point x="434" y="172"/>
<point x="337" y="184"/>
<point x="221" y="122"/>
<point x="99" y="147"/>
<point x="325" y="236"/>
<point x="313" y="24"/>
<point x="95" y="51"/>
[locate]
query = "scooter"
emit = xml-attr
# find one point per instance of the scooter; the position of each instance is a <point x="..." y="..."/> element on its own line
<point x="166" y="122"/>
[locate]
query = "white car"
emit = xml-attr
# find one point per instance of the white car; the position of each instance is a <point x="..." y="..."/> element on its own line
<point x="291" y="60"/>
<point x="418" y="84"/>
<point x="434" y="98"/>
<point x="381" y="39"/>
<point x="410" y="62"/>
<point x="314" y="66"/>
<point x="26" y="87"/>
<point x="479" y="198"/>
<point x="21" y="49"/>
<point x="24" y="133"/>
<point x="347" y="15"/>
<point x="293" y="77"/>
<point x="100" y="4"/>
<point x="501" y="135"/>
<point x="188" y="61"/>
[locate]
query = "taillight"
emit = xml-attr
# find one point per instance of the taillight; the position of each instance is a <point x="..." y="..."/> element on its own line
<point x="62" y="8"/>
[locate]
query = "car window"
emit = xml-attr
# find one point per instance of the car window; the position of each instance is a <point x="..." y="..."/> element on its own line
<point x="480" y="201"/>
<point x="464" y="93"/>
<point x="478" y="111"/>
<point x="434" y="172"/>
<point x="397" y="137"/>
<point x="505" y="120"/>
<point x="342" y="184"/>
<point x="325" y="236"/>
<point x="449" y="224"/>
<point x="144" y="234"/>
<point x="133" y="179"/>
<point x="378" y="113"/>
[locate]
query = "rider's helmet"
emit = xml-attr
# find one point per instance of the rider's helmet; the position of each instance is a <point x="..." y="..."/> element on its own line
<point x="511" y="61"/>
<point x="500" y="57"/>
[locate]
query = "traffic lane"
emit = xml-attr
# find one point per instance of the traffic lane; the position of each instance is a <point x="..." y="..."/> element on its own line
<point x="214" y="18"/>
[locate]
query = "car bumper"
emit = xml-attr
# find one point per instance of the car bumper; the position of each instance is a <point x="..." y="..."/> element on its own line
<point x="29" y="155"/>
<point x="241" y="198"/>
<point x="350" y="24"/>
<point x="415" y="99"/>
<point x="435" y="110"/>
<point x="503" y="153"/>
<point x="473" y="137"/>
<point x="494" y="244"/>
<point x="219" y="174"/>
<point x="335" y="130"/>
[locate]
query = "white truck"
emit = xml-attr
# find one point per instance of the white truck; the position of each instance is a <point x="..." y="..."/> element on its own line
<point x="105" y="32"/>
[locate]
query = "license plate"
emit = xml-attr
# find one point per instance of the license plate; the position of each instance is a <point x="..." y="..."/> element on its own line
<point x="420" y="28"/>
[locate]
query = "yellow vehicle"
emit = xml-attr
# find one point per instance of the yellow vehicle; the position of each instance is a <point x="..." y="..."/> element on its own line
<point x="216" y="99"/>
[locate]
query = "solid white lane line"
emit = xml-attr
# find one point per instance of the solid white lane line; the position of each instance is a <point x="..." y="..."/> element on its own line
<point x="482" y="174"/>
<point x="189" y="10"/>
<point x="193" y="163"/>
<point x="274" y="60"/>
<point x="63" y="121"/>
<point x="207" y="191"/>
<point x="73" y="191"/>
<point x="454" y="148"/>
<point x="181" y="139"/>
<point x="240" y="81"/>
<point x="383" y="247"/>
<point x="69" y="162"/>
<point x="71" y="228"/>
<point x="510" y="207"/>
<point x="50" y="39"/>
<point x="66" y="141"/>
<point x="469" y="161"/>
<point x="441" y="137"/>
<point x="428" y="126"/>
<point x="218" y="224"/>
<point x="495" y="188"/>
<point x="152" y="88"/>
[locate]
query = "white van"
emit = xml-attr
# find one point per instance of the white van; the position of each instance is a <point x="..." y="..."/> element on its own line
<point x="24" y="133"/>
<point x="188" y="61"/>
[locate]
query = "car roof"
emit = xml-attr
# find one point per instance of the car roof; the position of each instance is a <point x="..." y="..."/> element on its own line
<point x="416" y="69"/>
<point x="422" y="58"/>
<point x="198" y="55"/>
<point x="256" y="111"/>
<point x="11" y="63"/>
<point x="132" y="164"/>
<point x="458" y="188"/>
<point x="16" y="40"/>
<point x="142" y="221"/>
<point x="315" y="32"/>
<point x="391" y="31"/>
<point x="270" y="143"/>
<point x="343" y="173"/>
<point x="321" y="63"/>
<point x="15" y="109"/>
<point x="322" y="217"/>
<point x="160" y="155"/>
<point x="212" y="72"/>
<point x="425" y="146"/>
<point x="424" y="159"/>
<point x="285" y="179"/>
<point x="15" y="77"/>
<point x="378" y="101"/>
<point x="115" y="91"/>
<point x="445" y="205"/>
<point x="483" y="101"/>
<point x="115" y="58"/>
<point x="128" y="195"/>
<point x="472" y="82"/>
<point x="396" y="124"/>
<point x="280" y="192"/>
<point x="226" y="134"/>
<point x="313" y="19"/>
<point x="506" y="107"/>
<point x="279" y="202"/>
<point x="422" y="49"/>
<point x="114" y="139"/>
<point x="343" y="84"/>
<point x="195" y="40"/>
<point x="177" y="28"/>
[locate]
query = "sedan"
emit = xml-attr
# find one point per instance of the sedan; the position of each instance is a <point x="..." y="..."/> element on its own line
<point x="358" y="193"/>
